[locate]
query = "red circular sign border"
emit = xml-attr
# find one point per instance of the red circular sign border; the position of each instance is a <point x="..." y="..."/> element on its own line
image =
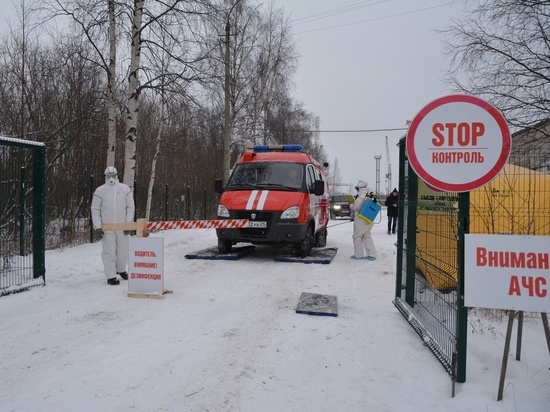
<point x="463" y="187"/>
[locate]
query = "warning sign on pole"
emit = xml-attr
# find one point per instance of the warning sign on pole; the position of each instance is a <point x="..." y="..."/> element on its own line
<point x="458" y="143"/>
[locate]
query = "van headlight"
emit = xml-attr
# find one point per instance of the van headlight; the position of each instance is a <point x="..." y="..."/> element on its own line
<point x="222" y="211"/>
<point x="291" y="213"/>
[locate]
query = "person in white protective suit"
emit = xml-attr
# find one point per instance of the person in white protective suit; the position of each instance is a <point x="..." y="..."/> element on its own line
<point x="113" y="202"/>
<point x="363" y="243"/>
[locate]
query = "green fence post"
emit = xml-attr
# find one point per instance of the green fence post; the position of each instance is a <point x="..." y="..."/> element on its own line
<point x="204" y="202"/>
<point x="166" y="202"/>
<point x="22" y="177"/>
<point x="188" y="203"/>
<point x="412" y="198"/>
<point x="462" y="312"/>
<point x="39" y="211"/>
<point x="400" y="220"/>
<point x="91" y="198"/>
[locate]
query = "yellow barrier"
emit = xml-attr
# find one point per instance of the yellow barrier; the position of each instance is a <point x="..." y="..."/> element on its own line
<point x="516" y="202"/>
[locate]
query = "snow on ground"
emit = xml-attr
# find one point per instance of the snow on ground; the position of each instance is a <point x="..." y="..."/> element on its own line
<point x="229" y="339"/>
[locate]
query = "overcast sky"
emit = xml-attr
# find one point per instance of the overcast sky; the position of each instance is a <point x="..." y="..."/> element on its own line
<point x="368" y="65"/>
<point x="364" y="65"/>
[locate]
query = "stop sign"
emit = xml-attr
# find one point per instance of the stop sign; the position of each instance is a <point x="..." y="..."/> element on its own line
<point x="458" y="143"/>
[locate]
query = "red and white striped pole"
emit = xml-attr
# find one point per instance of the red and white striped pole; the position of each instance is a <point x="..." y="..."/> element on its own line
<point x="198" y="224"/>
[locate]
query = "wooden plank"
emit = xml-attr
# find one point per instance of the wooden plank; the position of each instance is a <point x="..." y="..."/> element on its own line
<point x="145" y="296"/>
<point x="120" y="226"/>
<point x="150" y="295"/>
<point x="140" y="227"/>
<point x="520" y="335"/>
<point x="546" y="329"/>
<point x="504" y="365"/>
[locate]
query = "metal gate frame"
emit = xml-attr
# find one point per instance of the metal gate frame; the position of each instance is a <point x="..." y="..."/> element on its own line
<point x="36" y="274"/>
<point x="439" y="317"/>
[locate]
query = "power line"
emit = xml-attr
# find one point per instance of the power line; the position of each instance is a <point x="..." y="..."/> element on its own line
<point x="335" y="12"/>
<point x="375" y="19"/>
<point x="360" y="130"/>
<point x="340" y="131"/>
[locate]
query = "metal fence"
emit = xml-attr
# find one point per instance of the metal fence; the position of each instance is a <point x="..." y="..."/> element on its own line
<point x="28" y="228"/>
<point x="430" y="265"/>
<point x="22" y="222"/>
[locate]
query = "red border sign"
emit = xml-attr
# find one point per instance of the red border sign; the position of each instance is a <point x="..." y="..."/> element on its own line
<point x="458" y="143"/>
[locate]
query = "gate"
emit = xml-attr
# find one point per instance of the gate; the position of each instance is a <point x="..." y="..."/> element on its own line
<point x="22" y="215"/>
<point x="430" y="257"/>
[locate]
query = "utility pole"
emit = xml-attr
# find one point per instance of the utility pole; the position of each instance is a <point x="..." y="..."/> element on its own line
<point x="377" y="158"/>
<point x="227" y="111"/>
<point x="388" y="175"/>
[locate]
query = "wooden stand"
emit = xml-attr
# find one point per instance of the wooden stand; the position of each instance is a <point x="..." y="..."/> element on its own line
<point x="511" y="316"/>
<point x="140" y="227"/>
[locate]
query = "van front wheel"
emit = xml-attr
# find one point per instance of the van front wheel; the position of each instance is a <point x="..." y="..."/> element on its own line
<point x="225" y="246"/>
<point x="321" y="238"/>
<point x="303" y="248"/>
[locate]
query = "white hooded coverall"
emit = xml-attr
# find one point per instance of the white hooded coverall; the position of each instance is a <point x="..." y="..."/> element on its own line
<point x="113" y="204"/>
<point x="363" y="244"/>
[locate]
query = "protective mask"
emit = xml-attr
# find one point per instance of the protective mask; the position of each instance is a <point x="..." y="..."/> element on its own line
<point x="110" y="179"/>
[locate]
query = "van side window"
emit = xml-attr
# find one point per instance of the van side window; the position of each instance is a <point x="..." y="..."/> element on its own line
<point x="311" y="177"/>
<point x="318" y="174"/>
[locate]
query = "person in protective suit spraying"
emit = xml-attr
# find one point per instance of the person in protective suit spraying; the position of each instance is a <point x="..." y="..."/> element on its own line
<point x="363" y="244"/>
<point x="113" y="202"/>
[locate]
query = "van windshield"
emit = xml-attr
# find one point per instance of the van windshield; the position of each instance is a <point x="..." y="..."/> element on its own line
<point x="278" y="175"/>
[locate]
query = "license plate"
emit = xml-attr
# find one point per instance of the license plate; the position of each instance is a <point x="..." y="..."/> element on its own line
<point x="257" y="225"/>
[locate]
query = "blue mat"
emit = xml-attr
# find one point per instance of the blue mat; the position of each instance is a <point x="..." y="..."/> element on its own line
<point x="323" y="256"/>
<point x="315" y="304"/>
<point x="214" y="254"/>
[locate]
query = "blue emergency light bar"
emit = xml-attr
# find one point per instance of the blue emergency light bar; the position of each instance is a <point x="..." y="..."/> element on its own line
<point x="279" y="147"/>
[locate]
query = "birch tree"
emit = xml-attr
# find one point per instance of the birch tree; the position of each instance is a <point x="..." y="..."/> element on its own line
<point x="177" y="20"/>
<point x="155" y="158"/>
<point x="163" y="84"/>
<point x="111" y="88"/>
<point x="501" y="50"/>
<point x="96" y="22"/>
<point x="133" y="95"/>
<point x="139" y="20"/>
